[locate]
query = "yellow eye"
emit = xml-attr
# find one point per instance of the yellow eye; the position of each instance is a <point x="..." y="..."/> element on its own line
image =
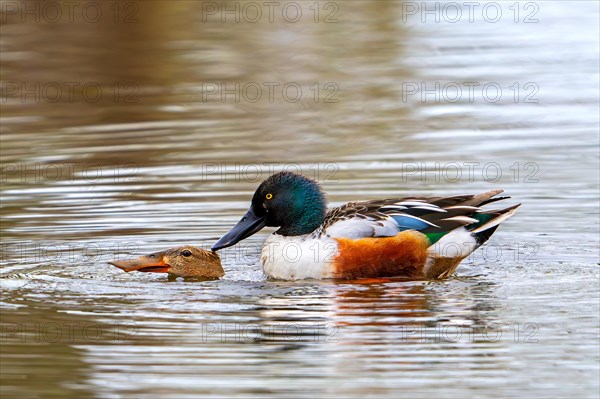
<point x="269" y="196"/>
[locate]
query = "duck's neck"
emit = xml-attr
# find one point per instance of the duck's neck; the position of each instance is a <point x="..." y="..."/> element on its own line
<point x="305" y="218"/>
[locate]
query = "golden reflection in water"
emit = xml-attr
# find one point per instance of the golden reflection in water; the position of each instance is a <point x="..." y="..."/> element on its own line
<point x="375" y="304"/>
<point x="160" y="66"/>
<point x="43" y="340"/>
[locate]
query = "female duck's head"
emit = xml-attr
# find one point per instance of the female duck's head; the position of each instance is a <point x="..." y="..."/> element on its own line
<point x="292" y="202"/>
<point x="186" y="261"/>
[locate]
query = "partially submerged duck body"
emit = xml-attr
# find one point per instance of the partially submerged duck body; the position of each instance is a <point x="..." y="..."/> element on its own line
<point x="413" y="237"/>
<point x="185" y="261"/>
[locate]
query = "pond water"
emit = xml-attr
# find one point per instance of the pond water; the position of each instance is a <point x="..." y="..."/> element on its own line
<point x="150" y="124"/>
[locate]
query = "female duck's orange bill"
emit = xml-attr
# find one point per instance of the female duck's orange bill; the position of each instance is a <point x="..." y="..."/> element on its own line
<point x="152" y="263"/>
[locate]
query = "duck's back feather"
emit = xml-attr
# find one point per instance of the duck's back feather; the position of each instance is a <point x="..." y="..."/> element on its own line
<point x="433" y="216"/>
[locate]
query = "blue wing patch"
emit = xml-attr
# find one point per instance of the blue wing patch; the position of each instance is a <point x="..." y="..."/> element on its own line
<point x="410" y="223"/>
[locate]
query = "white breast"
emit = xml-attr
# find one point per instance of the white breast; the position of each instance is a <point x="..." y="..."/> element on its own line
<point x="298" y="257"/>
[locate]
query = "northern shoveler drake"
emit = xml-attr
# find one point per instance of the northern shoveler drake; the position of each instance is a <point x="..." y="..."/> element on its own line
<point x="186" y="261"/>
<point x="412" y="237"/>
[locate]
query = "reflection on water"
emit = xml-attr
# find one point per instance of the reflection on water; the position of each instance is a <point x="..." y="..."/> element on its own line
<point x="151" y="126"/>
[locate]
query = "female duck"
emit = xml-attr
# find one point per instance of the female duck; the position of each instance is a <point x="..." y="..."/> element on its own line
<point x="186" y="261"/>
<point x="411" y="237"/>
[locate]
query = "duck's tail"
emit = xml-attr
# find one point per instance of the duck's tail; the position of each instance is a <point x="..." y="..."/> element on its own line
<point x="489" y="222"/>
<point x="447" y="251"/>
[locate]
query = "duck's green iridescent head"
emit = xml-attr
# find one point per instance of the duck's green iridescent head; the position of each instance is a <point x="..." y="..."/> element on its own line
<point x="292" y="202"/>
